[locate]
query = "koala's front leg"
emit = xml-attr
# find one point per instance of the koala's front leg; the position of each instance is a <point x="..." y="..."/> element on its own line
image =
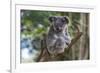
<point x="67" y="39"/>
<point x="50" y="42"/>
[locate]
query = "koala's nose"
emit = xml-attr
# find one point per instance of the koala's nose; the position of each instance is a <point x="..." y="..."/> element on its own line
<point x="57" y="28"/>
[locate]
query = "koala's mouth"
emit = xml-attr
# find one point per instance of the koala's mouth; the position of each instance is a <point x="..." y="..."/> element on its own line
<point x="59" y="29"/>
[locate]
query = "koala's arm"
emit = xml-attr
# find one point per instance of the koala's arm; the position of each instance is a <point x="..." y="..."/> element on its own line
<point x="50" y="40"/>
<point x="67" y="37"/>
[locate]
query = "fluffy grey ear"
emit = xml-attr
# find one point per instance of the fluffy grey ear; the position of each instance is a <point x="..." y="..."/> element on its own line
<point x="66" y="19"/>
<point x="51" y="19"/>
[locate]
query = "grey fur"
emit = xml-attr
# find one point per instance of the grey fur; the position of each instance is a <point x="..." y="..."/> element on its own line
<point x="58" y="37"/>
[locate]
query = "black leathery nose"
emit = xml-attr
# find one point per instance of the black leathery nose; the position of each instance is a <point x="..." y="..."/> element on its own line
<point x="57" y="28"/>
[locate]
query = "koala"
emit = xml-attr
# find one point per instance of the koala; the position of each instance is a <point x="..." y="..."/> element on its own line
<point x="58" y="37"/>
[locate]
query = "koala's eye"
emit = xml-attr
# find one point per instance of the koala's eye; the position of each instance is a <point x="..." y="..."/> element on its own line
<point x="63" y="20"/>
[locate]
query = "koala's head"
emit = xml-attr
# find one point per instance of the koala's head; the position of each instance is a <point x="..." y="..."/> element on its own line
<point x="59" y="22"/>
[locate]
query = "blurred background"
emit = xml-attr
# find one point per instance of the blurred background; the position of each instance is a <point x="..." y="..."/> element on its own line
<point x="35" y="23"/>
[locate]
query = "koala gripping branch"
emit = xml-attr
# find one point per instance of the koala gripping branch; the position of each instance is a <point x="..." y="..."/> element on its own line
<point x="73" y="41"/>
<point x="46" y="55"/>
<point x="44" y="51"/>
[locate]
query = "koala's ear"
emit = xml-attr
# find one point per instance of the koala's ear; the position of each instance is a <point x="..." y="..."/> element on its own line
<point x="51" y="19"/>
<point x="66" y="19"/>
